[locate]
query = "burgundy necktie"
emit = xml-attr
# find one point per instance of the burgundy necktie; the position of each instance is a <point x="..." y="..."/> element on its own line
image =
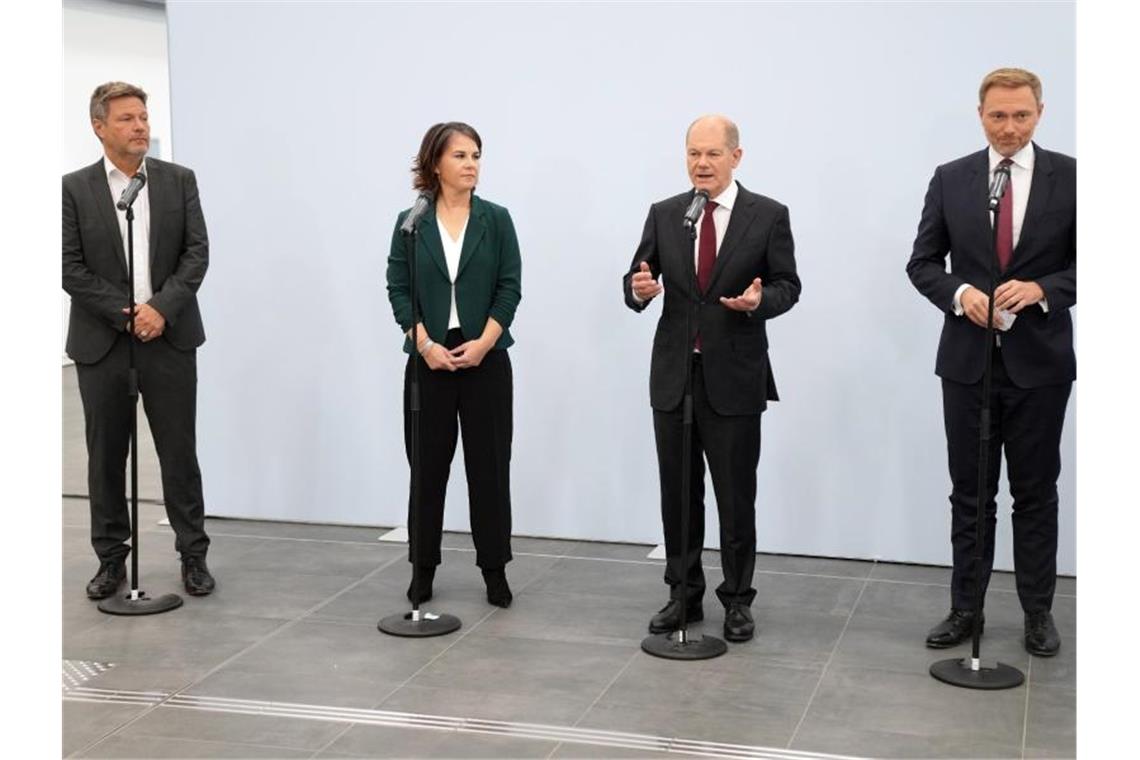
<point x="706" y="254"/>
<point x="1005" y="223"/>
<point x="706" y="250"/>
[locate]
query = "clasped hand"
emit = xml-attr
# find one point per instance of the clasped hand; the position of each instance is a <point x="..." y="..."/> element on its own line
<point x="149" y="322"/>
<point x="464" y="356"/>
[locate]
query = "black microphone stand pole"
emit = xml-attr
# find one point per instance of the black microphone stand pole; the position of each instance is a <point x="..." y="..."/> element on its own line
<point x="135" y="602"/>
<point x="972" y="672"/>
<point x="416" y="624"/>
<point x="679" y="644"/>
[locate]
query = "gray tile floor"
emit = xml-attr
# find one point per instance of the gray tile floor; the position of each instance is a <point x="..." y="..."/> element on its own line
<point x="284" y="659"/>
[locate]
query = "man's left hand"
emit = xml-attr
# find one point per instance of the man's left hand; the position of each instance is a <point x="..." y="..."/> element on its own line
<point x="1015" y="295"/>
<point x="749" y="300"/>
<point x="149" y="322"/>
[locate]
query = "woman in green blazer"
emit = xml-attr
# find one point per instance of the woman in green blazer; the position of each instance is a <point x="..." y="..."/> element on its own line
<point x="468" y="272"/>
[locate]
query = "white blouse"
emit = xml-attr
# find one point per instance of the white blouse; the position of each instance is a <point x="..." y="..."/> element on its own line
<point x="451" y="251"/>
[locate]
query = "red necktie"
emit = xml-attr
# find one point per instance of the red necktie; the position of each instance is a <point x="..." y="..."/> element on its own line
<point x="706" y="253"/>
<point x="1005" y="223"/>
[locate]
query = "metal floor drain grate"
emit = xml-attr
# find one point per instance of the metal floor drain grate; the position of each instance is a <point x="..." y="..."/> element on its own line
<point x="78" y="672"/>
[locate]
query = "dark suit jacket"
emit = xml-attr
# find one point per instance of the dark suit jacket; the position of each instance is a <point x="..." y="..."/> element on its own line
<point x="488" y="282"/>
<point x="1038" y="349"/>
<point x="95" y="260"/>
<point x="734" y="345"/>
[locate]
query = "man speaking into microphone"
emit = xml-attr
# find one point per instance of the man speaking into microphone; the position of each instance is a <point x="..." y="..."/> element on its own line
<point x="170" y="258"/>
<point x="738" y="272"/>
<point x="1033" y="360"/>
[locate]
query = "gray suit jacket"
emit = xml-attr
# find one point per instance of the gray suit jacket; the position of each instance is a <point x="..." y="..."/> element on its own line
<point x="95" y="261"/>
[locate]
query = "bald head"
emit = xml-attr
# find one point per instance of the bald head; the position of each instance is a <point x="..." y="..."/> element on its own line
<point x="716" y="121"/>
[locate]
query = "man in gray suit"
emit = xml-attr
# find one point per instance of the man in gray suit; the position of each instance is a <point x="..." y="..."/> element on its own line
<point x="171" y="254"/>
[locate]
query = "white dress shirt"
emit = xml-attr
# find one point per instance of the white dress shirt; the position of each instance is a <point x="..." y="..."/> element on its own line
<point x="118" y="182"/>
<point x="1020" y="182"/>
<point x="721" y="213"/>
<point x="725" y="201"/>
<point x="451" y="252"/>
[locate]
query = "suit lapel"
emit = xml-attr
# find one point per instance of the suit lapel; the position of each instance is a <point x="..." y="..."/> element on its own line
<point x="684" y="244"/>
<point x="428" y="232"/>
<point x="105" y="205"/>
<point x="741" y="217"/>
<point x="977" y="199"/>
<point x="475" y="231"/>
<point x="1040" y="190"/>
<point x="157" y="193"/>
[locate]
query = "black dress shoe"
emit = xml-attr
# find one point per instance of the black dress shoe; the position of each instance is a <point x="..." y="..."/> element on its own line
<point x="110" y="576"/>
<point x="196" y="576"/>
<point x="956" y="628"/>
<point x="668" y="617"/>
<point x="738" y="625"/>
<point x="1041" y="637"/>
<point x="419" y="590"/>
<point x="498" y="592"/>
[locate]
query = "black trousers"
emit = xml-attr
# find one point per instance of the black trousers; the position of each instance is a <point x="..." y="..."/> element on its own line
<point x="479" y="400"/>
<point x="1026" y="423"/>
<point x="732" y="447"/>
<point x="168" y="384"/>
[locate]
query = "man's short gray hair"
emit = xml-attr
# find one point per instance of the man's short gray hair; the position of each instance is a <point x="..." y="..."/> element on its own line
<point x="731" y="132"/>
<point x="107" y="92"/>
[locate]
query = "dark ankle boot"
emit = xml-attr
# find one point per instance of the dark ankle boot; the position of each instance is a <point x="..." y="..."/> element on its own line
<point x="419" y="590"/>
<point x="498" y="592"/>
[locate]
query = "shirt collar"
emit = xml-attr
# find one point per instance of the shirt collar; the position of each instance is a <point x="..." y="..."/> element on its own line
<point x="727" y="198"/>
<point x="1022" y="159"/>
<point x="109" y="168"/>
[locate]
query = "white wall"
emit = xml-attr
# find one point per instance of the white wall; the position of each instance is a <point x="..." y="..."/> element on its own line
<point x="845" y="109"/>
<point x="104" y="41"/>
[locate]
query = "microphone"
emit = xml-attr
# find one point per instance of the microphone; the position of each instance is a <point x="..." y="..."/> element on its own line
<point x="419" y="208"/>
<point x="998" y="186"/>
<point x="695" y="207"/>
<point x="128" y="197"/>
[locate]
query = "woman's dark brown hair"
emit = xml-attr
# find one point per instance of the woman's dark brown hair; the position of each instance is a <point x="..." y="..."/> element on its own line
<point x="434" y="143"/>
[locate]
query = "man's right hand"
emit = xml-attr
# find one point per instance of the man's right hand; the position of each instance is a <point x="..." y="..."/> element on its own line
<point x="438" y="357"/>
<point x="976" y="304"/>
<point x="643" y="284"/>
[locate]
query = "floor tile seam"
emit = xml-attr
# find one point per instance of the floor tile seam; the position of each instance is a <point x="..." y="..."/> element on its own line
<point x="606" y="688"/>
<point x="827" y="664"/>
<point x="335" y="738"/>
<point x="276" y="631"/>
<point x="427" y="664"/>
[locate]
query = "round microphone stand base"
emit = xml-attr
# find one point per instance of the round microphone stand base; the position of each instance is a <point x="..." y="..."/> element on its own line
<point x="682" y="645"/>
<point x="987" y="675"/>
<point x="418" y="624"/>
<point x="138" y="603"/>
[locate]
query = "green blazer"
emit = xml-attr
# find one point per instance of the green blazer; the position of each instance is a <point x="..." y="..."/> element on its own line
<point x="488" y="282"/>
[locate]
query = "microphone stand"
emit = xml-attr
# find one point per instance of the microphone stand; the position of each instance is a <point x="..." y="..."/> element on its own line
<point x="416" y="624"/>
<point x="972" y="672"/>
<point x="679" y="644"/>
<point x="135" y="602"/>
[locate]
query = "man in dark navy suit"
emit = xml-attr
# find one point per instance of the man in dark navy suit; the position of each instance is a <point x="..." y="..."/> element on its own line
<point x="1034" y="365"/>
<point x="738" y="273"/>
